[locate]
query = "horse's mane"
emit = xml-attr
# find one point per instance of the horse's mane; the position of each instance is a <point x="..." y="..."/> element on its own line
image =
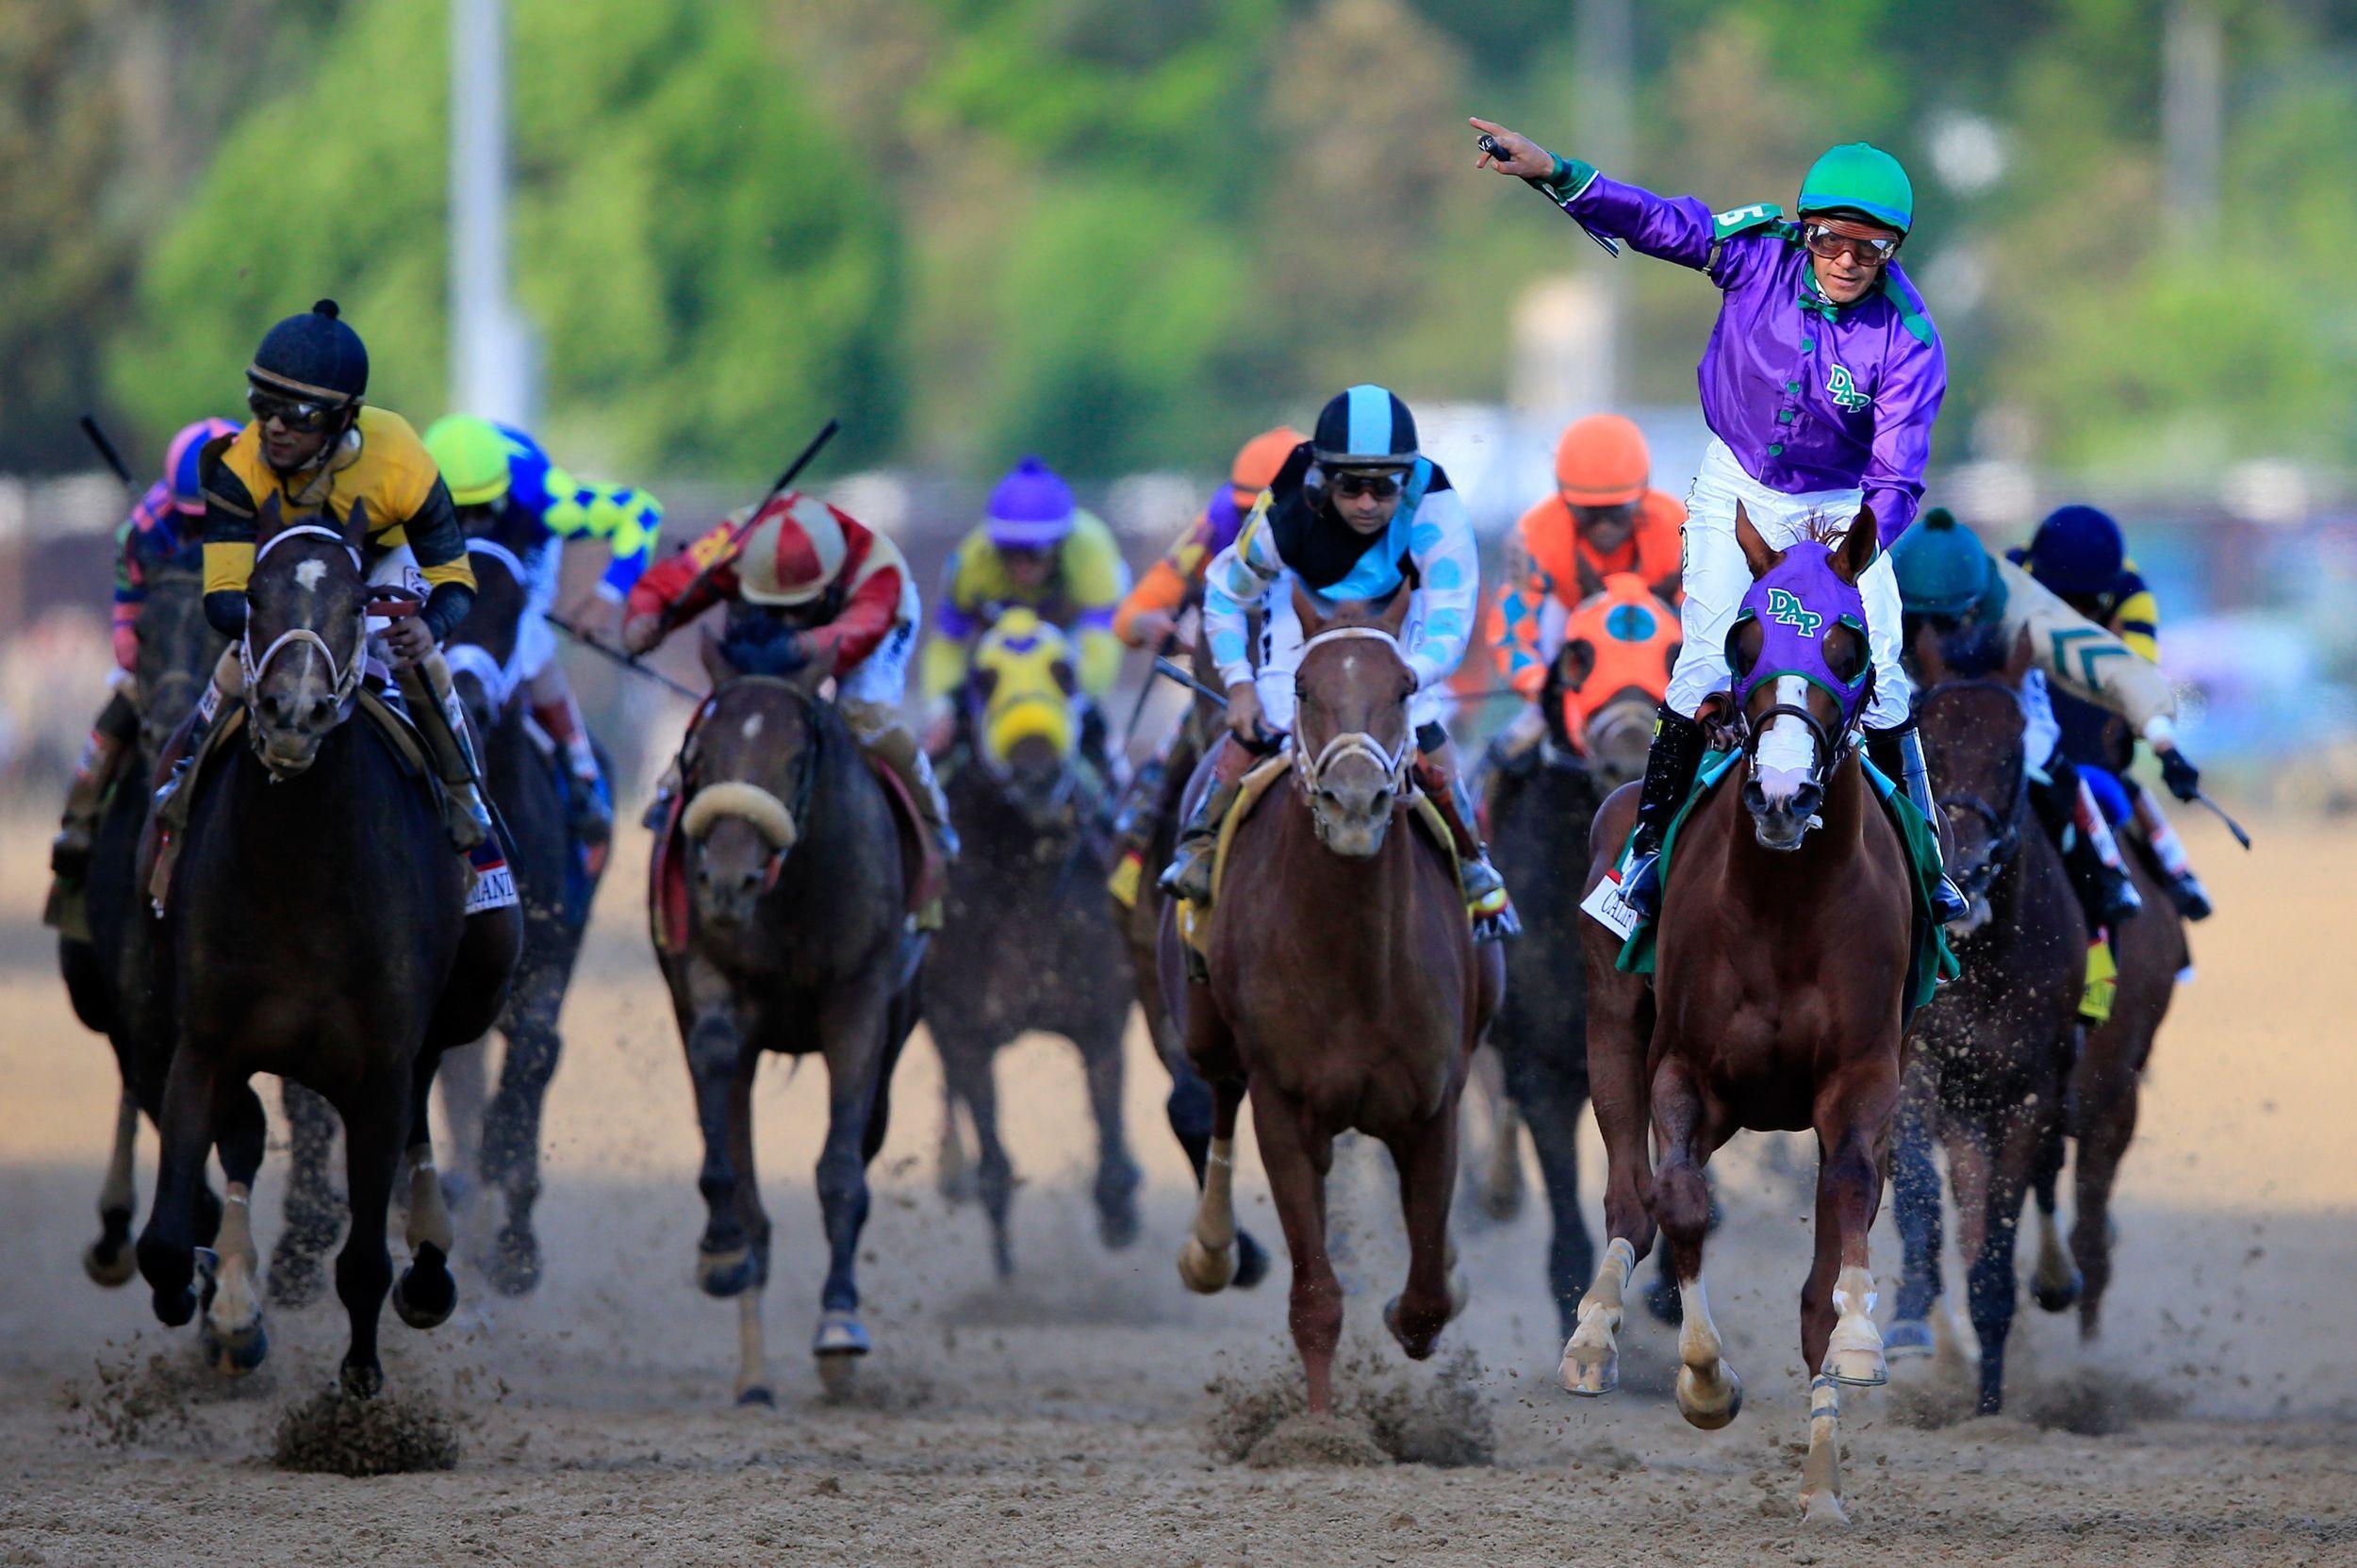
<point x="1826" y="529"/>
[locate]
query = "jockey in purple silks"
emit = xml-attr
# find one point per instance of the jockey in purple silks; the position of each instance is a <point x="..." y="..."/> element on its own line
<point x="1819" y="386"/>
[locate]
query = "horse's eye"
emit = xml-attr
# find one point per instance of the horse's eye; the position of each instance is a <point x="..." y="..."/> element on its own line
<point x="1845" y="653"/>
<point x="1743" y="647"/>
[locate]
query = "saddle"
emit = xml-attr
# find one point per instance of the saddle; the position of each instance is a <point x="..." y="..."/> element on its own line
<point x="667" y="869"/>
<point x="1195" y="923"/>
<point x="1930" y="962"/>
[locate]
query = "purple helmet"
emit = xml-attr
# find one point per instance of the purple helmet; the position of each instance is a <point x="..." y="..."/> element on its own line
<point x="1032" y="508"/>
<point x="180" y="475"/>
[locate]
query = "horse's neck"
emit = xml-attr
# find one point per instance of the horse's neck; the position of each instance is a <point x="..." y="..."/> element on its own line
<point x="1342" y="894"/>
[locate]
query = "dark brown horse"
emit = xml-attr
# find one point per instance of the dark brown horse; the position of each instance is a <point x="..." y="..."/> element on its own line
<point x="316" y="930"/>
<point x="106" y="976"/>
<point x="1776" y="1002"/>
<point x="1985" y="1077"/>
<point x="796" y="943"/>
<point x="1345" y="991"/>
<point x="1024" y="942"/>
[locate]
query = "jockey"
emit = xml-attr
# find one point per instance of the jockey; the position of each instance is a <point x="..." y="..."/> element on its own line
<point x="1035" y="548"/>
<point x="320" y="453"/>
<point x="1353" y="512"/>
<point x="2079" y="554"/>
<point x="164" y="530"/>
<point x="806" y="582"/>
<point x="1148" y="619"/>
<point x="1604" y="520"/>
<point x="507" y="491"/>
<point x="1980" y="610"/>
<point x="1819" y="386"/>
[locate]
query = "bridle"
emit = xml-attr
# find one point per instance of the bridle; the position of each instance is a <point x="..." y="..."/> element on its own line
<point x="344" y="674"/>
<point x="2004" y="827"/>
<point x="806" y="775"/>
<point x="1393" y="762"/>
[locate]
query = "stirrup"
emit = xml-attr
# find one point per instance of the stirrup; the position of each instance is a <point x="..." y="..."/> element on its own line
<point x="1948" y="905"/>
<point x="1188" y="874"/>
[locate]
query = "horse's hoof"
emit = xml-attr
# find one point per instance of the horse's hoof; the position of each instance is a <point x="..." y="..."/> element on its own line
<point x="238" y="1352"/>
<point x="1251" y="1262"/>
<point x="1001" y="1257"/>
<point x="1822" y="1511"/>
<point x="1117" y="1218"/>
<point x="1707" y="1408"/>
<point x="1204" y="1270"/>
<point x="757" y="1396"/>
<point x="1854" y="1357"/>
<point x="362" y="1379"/>
<point x="2056" y="1296"/>
<point x="425" y="1295"/>
<point x="1909" y="1339"/>
<point x="513" y="1265"/>
<point x="1590" y="1368"/>
<point x="1417" y="1347"/>
<point x="839" y="1334"/>
<point x="110" y="1263"/>
<point x="174" y="1308"/>
<point x="725" y="1274"/>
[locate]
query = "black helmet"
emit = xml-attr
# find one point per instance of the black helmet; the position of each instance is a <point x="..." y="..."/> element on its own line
<point x="312" y="357"/>
<point x="1366" y="427"/>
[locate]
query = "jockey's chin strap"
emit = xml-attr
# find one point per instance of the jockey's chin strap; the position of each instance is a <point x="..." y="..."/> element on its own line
<point x="1393" y="761"/>
<point x="344" y="674"/>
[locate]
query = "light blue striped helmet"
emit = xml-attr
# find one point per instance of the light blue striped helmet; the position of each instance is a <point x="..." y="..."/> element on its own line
<point x="1366" y="427"/>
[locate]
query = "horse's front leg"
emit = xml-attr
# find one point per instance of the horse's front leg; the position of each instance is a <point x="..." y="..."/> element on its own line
<point x="376" y="1121"/>
<point x="1709" y="1393"/>
<point x="1117" y="1177"/>
<point x="1208" y="1258"/>
<point x="510" y="1149"/>
<point x="715" y="1045"/>
<point x="1914" y="1187"/>
<point x="109" y="1261"/>
<point x="852" y="1025"/>
<point x="1838" y="1339"/>
<point x="234" y="1338"/>
<point x="167" y="1250"/>
<point x="1437" y="1290"/>
<point x="1297" y="1156"/>
<point x="1618" y="1037"/>
<point x="425" y="1295"/>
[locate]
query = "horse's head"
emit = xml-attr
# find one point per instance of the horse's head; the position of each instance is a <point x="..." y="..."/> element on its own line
<point x="1803" y="670"/>
<point x="1019" y="712"/>
<point x="1620" y="644"/>
<point x="177" y="649"/>
<point x="1974" y="746"/>
<point x="481" y="650"/>
<point x="748" y="773"/>
<point x="1351" y="742"/>
<point x="306" y="636"/>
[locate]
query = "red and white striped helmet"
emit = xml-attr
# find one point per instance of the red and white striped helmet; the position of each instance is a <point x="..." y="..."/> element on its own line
<point x="792" y="551"/>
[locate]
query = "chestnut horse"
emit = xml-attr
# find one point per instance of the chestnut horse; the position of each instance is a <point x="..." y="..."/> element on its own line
<point x="1345" y="991"/>
<point x="1777" y="996"/>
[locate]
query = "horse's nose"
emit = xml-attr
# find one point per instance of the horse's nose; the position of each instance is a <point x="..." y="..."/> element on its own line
<point x="275" y="710"/>
<point x="322" y="714"/>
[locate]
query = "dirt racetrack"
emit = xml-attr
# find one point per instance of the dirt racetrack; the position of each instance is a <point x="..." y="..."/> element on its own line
<point x="1066" y="1418"/>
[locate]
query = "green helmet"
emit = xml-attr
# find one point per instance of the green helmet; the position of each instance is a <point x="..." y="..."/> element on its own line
<point x="1856" y="177"/>
<point x="1942" y="569"/>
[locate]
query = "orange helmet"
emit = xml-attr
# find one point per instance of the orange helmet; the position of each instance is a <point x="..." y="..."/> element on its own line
<point x="792" y="553"/>
<point x="1259" y="459"/>
<point x="1601" y="461"/>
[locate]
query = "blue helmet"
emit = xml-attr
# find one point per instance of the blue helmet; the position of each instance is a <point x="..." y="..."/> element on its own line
<point x="2077" y="550"/>
<point x="1942" y="569"/>
<point x="1365" y="427"/>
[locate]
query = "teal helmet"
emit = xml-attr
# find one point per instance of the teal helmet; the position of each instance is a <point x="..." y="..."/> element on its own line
<point x="1856" y="177"/>
<point x="1942" y="568"/>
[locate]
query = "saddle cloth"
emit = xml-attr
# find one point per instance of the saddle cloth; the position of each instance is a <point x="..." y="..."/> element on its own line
<point x="1930" y="959"/>
<point x="1194" y="924"/>
<point x="667" y="869"/>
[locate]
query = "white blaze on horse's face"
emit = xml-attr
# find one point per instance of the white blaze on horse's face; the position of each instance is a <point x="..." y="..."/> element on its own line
<point x="1350" y="749"/>
<point x="1786" y="750"/>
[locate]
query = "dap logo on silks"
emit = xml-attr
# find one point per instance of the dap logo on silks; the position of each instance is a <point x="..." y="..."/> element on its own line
<point x="1844" y="390"/>
<point x="1786" y="609"/>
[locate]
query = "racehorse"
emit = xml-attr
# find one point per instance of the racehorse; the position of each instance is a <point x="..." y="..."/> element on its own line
<point x="1985" y="1077"/>
<point x="315" y="929"/>
<point x="107" y="976"/>
<point x="1540" y="810"/>
<point x="1140" y="920"/>
<point x="1345" y="991"/>
<point x="1023" y="943"/>
<point x="1766" y="1011"/>
<point x="524" y="774"/>
<point x="795" y="942"/>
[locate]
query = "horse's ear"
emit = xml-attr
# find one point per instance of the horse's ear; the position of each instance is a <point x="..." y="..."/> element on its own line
<point x="1576" y="663"/>
<point x="1756" y="555"/>
<point x="1306" y="612"/>
<point x="271" y="520"/>
<point x="985" y="683"/>
<point x="1067" y="680"/>
<point x="1394" y="614"/>
<point x="356" y="525"/>
<point x="2020" y="659"/>
<point x="715" y="662"/>
<point x="1858" y="548"/>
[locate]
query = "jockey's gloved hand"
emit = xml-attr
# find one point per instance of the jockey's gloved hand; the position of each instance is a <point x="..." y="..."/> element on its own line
<point x="2183" y="777"/>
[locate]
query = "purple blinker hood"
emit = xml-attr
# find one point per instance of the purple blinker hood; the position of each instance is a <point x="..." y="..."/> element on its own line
<point x="1796" y="604"/>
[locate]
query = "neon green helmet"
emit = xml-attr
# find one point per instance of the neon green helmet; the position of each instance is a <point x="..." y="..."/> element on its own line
<point x="1942" y="568"/>
<point x="472" y="455"/>
<point x="1856" y="177"/>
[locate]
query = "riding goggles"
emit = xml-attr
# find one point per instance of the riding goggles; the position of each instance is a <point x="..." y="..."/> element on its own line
<point x="297" y="414"/>
<point x="1827" y="241"/>
<point x="1380" y="486"/>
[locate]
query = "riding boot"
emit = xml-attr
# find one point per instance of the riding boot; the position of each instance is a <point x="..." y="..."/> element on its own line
<point x="109" y="742"/>
<point x="2184" y="889"/>
<point x="441" y="721"/>
<point x="1189" y="873"/>
<point x="2076" y="824"/>
<point x="587" y="810"/>
<point x="228" y="686"/>
<point x="1677" y="752"/>
<point x="1899" y="753"/>
<point x="897" y="748"/>
<point x="1492" y="911"/>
